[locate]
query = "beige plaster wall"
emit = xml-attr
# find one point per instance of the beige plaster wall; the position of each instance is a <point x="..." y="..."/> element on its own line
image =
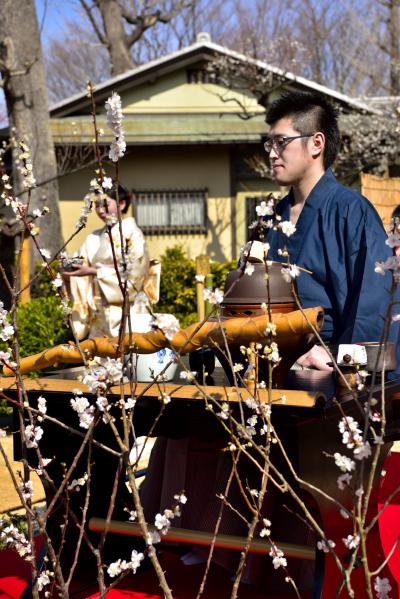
<point x="164" y="168"/>
<point x="171" y="93"/>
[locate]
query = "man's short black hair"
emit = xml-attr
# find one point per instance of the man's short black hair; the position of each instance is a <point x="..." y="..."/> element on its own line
<point x="310" y="112"/>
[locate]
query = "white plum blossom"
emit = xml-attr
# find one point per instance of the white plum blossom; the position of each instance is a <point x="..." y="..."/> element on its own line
<point x="57" y="281"/>
<point x="45" y="253"/>
<point x="265" y="208"/>
<point x="270" y="329"/>
<point x="187" y="375"/>
<point x="164" y="398"/>
<point x="393" y="240"/>
<point x="344" y="463"/>
<point x="5" y="356"/>
<point x="278" y="559"/>
<point x="249" y="269"/>
<point x="344" y="480"/>
<point x="136" y="558"/>
<point x="162" y="522"/>
<point x="129" y="403"/>
<point x="289" y="274"/>
<point x="252" y="421"/>
<point x="25" y="166"/>
<point x="84" y="410"/>
<point x="224" y="413"/>
<point x="266" y="530"/>
<point x="350" y="431"/>
<point x="6" y="331"/>
<point x="180" y="498"/>
<point x="153" y="537"/>
<point x="114" y="121"/>
<point x="85" y="211"/>
<point x="78" y="482"/>
<point x="362" y="451"/>
<point x="382" y="587"/>
<point x="380" y="268"/>
<point x="168" y="323"/>
<point x="200" y="278"/>
<point x="132" y="515"/>
<point x="79" y="404"/>
<point x="86" y="418"/>
<point x="102" y="403"/>
<point x="213" y="297"/>
<point x="391" y="263"/>
<point x="107" y="183"/>
<point x="287" y="228"/>
<point x="117" y="567"/>
<point x="26" y="489"/>
<point x="352" y="541"/>
<point x="102" y="373"/>
<point x="43" y="580"/>
<point x="12" y="538"/>
<point x="42" y="407"/>
<point x="324" y="545"/>
<point x="359" y="492"/>
<point x="271" y="353"/>
<point x="33" y="434"/>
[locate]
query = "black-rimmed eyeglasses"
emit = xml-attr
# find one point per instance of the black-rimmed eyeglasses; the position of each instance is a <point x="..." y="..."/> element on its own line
<point x="279" y="142"/>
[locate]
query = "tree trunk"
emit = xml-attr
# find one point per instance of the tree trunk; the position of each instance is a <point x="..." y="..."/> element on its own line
<point x="394" y="46"/>
<point x="22" y="69"/>
<point x="121" y="60"/>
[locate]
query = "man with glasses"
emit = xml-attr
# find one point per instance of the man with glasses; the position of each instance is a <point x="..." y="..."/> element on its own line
<point x="339" y="235"/>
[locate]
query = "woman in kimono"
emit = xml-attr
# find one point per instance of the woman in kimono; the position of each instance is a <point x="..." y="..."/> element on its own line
<point x="94" y="285"/>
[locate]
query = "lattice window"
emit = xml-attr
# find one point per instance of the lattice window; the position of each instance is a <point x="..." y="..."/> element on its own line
<point x="168" y="212"/>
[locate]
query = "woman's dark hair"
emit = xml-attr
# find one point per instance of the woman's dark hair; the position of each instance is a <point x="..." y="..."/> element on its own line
<point x="124" y="195"/>
<point x="310" y="112"/>
<point x="396" y="212"/>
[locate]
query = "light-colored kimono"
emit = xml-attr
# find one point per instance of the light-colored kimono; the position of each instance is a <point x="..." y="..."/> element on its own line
<point x="97" y="300"/>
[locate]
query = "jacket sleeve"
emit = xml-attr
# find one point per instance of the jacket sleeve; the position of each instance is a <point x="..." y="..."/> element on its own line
<point x="368" y="293"/>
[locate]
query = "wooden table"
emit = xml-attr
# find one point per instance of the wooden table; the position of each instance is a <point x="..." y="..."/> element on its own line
<point x="307" y="419"/>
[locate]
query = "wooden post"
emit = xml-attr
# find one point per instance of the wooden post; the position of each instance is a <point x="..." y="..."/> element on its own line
<point x="202" y="269"/>
<point x="24" y="271"/>
<point x="208" y="282"/>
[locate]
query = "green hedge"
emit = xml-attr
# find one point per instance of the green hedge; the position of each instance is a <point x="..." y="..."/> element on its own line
<point x="41" y="325"/>
<point x="178" y="284"/>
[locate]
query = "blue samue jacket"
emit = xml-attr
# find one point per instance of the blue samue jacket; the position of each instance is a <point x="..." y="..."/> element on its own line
<point x="339" y="237"/>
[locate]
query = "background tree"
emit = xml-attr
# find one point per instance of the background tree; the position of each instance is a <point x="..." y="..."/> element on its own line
<point x="24" y="84"/>
<point x="118" y="25"/>
<point x="352" y="47"/>
<point x="83" y="50"/>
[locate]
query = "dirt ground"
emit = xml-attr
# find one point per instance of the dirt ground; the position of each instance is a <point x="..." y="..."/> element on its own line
<point x="9" y="499"/>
